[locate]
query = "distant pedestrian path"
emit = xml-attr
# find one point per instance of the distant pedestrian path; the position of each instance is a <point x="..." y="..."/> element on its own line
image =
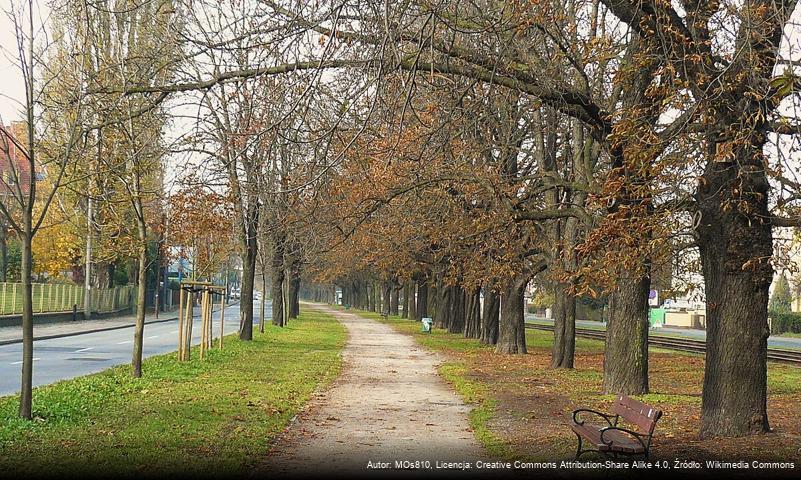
<point x="774" y="341"/>
<point x="388" y="405"/>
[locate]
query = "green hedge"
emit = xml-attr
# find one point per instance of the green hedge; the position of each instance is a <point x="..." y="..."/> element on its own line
<point x="785" y="322"/>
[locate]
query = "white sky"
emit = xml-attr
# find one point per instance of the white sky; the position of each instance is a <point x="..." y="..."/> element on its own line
<point x="10" y="76"/>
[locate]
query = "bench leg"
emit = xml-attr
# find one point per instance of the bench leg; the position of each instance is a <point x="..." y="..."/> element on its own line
<point x="578" y="449"/>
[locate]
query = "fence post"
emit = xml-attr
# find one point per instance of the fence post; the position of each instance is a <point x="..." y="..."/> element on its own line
<point x="14" y="298"/>
<point x="41" y="296"/>
<point x="4" y="298"/>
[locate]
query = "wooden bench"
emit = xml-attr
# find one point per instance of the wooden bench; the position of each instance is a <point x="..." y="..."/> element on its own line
<point x="613" y="440"/>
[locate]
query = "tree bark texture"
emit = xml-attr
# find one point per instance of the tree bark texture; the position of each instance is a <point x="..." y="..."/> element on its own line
<point x="250" y="254"/>
<point x="422" y="299"/>
<point x="490" y="317"/>
<point x="277" y="276"/>
<point x="456" y="306"/>
<point x="393" y="300"/>
<point x="564" y="331"/>
<point x="472" y="327"/>
<point x="512" y="328"/>
<point x="626" y="352"/>
<point x="26" y="390"/>
<point x="736" y="248"/>
<point x="139" y="329"/>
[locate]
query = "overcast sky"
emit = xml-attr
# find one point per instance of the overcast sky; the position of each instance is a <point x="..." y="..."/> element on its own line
<point x="12" y="90"/>
<point x="10" y="77"/>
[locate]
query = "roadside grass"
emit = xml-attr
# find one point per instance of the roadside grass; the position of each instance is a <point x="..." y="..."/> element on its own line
<point x="521" y="406"/>
<point x="217" y="416"/>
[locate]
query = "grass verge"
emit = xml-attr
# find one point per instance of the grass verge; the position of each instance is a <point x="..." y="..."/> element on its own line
<point x="521" y="406"/>
<point x="216" y="416"/>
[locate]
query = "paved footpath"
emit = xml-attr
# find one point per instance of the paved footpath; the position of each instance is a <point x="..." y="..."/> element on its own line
<point x="388" y="404"/>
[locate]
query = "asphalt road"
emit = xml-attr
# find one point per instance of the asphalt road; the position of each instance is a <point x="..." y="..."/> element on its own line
<point x="64" y="358"/>
<point x="774" y="341"/>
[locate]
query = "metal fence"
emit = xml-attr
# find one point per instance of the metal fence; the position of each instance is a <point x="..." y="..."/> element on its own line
<point x="55" y="297"/>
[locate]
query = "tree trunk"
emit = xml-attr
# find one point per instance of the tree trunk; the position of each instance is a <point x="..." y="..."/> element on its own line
<point x="246" y="292"/>
<point x="87" y="296"/>
<point x="422" y="299"/>
<point x="393" y="300"/>
<point x="386" y="306"/>
<point x="26" y="390"/>
<point x="263" y="300"/>
<point x="251" y="251"/>
<point x="139" y="329"/>
<point x="431" y="305"/>
<point x="472" y="327"/>
<point x="564" y="329"/>
<point x="490" y="317"/>
<point x="626" y="352"/>
<point x="456" y="318"/>
<point x="294" y="294"/>
<point x="277" y="277"/>
<point x="512" y="328"/>
<point x="736" y="249"/>
<point x="405" y="312"/>
<point x="287" y="299"/>
<point x="3" y="250"/>
<point x="411" y="301"/>
<point x="442" y="315"/>
<point x="377" y="307"/>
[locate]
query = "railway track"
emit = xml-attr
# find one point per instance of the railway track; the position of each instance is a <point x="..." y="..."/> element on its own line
<point x="792" y="357"/>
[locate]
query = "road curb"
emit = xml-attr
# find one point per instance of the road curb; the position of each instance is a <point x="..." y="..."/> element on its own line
<point x="94" y="330"/>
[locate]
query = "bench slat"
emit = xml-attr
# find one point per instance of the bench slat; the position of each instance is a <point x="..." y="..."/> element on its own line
<point x="637" y="413"/>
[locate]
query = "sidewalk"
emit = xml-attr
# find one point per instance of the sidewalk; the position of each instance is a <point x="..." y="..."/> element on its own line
<point x="774" y="341"/>
<point x="13" y="334"/>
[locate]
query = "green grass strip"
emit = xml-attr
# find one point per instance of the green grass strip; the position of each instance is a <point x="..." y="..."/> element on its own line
<point x="216" y="416"/>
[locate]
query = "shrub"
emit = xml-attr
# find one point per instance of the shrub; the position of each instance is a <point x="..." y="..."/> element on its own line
<point x="782" y="322"/>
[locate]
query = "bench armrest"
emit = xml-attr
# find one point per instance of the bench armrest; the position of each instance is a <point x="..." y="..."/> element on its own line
<point x="643" y="439"/>
<point x="605" y="416"/>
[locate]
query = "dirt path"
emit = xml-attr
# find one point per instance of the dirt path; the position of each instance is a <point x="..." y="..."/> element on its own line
<point x="388" y="404"/>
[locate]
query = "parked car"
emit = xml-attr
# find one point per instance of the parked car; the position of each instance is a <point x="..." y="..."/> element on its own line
<point x="234" y="294"/>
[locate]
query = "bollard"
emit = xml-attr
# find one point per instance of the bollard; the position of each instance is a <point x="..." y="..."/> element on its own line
<point x="74" y="312"/>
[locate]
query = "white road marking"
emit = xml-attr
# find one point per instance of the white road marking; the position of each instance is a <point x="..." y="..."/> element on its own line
<point x="84" y="349"/>
<point x="174" y="331"/>
<point x="123" y="343"/>
<point x="153" y="336"/>
<point x="20" y="362"/>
